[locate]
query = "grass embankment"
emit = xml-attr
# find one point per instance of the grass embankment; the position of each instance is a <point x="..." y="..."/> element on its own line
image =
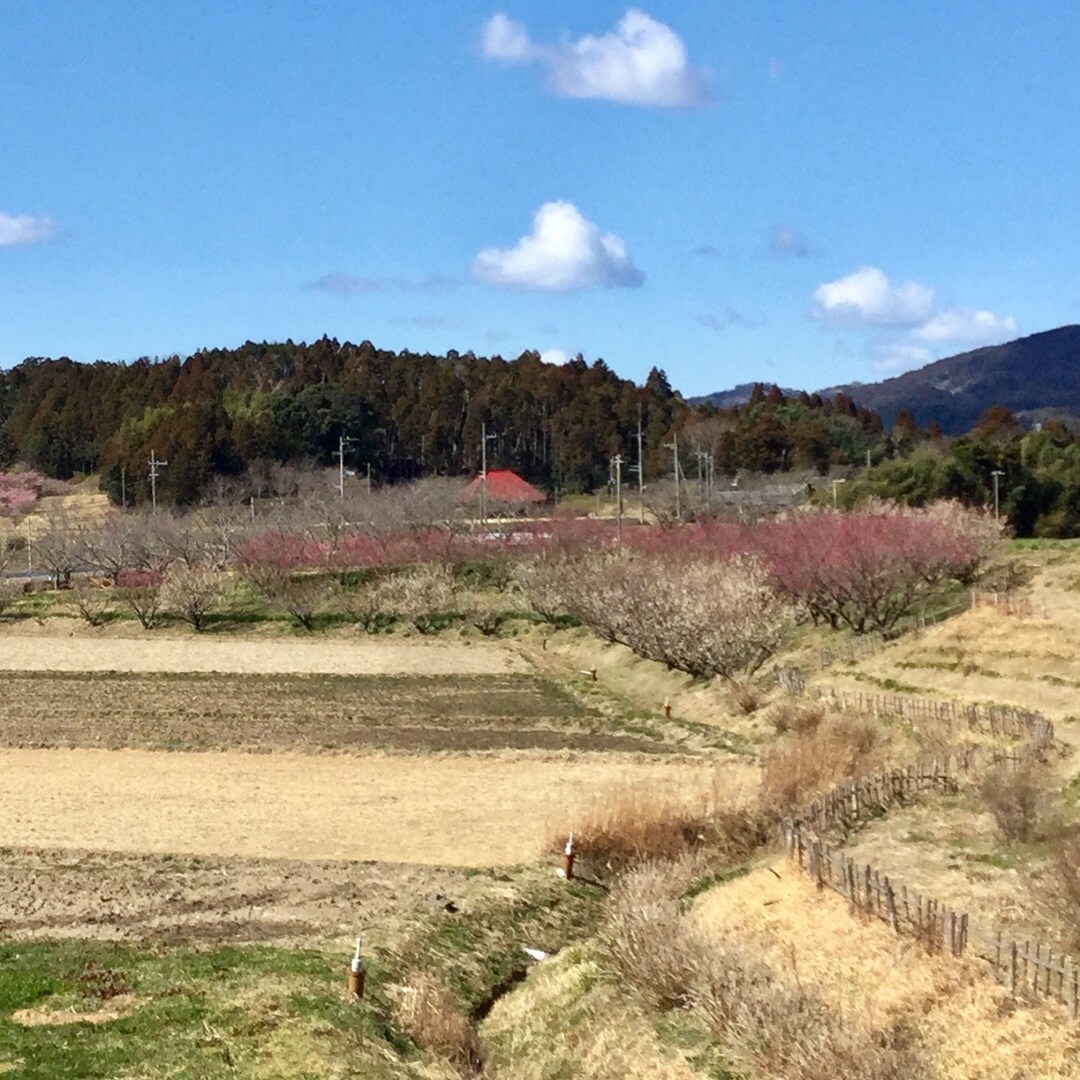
<point x="91" y="1009"/>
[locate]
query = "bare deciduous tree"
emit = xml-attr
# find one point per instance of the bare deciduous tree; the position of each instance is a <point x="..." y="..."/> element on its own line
<point x="192" y="593"/>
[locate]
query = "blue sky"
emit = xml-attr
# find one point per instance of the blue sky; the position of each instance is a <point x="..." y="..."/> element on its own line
<point x="803" y="192"/>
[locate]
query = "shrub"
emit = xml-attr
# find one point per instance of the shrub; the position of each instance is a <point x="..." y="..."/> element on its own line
<point x="1019" y="799"/>
<point x="647" y="939"/>
<point x="808" y="763"/>
<point x="796" y="716"/>
<point x="1059" y="890"/>
<point x="631" y="825"/>
<point x="425" y="596"/>
<point x="365" y="602"/>
<point x="302" y="595"/>
<point x="547" y="582"/>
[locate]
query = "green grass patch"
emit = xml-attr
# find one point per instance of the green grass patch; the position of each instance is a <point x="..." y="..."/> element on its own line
<point x="236" y="1011"/>
<point x="708" y="881"/>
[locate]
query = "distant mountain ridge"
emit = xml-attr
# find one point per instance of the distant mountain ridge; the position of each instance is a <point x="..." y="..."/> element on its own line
<point x="737" y="395"/>
<point x="1035" y="377"/>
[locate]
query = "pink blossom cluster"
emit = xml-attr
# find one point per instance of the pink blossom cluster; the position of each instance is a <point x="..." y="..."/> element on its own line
<point x="20" y="491"/>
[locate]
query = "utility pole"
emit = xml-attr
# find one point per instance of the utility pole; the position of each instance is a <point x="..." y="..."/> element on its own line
<point x="154" y="466"/>
<point x="484" y="436"/>
<point x="616" y="466"/>
<point x="29" y="549"/>
<point x="123" y="486"/>
<point x="997" y="504"/>
<point x="340" y="455"/>
<point x="640" y="467"/>
<point x="369" y="479"/>
<point x="674" y="448"/>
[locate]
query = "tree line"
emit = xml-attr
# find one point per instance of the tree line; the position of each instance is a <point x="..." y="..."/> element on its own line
<point x="235" y="413"/>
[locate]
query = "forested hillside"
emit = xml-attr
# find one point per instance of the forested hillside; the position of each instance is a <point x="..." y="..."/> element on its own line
<point x="221" y="412"/>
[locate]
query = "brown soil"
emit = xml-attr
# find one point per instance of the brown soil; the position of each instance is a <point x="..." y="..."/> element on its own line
<point x="302" y="712"/>
<point x="181" y="899"/>
<point x="456" y="811"/>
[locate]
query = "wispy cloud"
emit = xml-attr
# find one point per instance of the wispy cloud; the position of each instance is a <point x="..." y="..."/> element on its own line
<point x="730" y="317"/>
<point x="786" y="242"/>
<point x="22" y="230"/>
<point x="893" y="357"/>
<point x="639" y="62"/>
<point x="564" y="252"/>
<point x="350" y="285"/>
<point x="429" y="322"/>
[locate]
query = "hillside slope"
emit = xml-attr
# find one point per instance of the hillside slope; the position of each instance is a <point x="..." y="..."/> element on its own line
<point x="1034" y="376"/>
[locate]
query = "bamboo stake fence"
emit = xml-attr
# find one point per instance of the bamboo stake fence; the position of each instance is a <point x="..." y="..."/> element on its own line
<point x="1029" y="969"/>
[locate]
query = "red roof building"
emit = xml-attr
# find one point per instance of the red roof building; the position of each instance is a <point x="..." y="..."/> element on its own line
<point x="504" y="486"/>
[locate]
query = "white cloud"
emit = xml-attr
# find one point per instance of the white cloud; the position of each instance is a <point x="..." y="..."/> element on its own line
<point x="503" y="39"/>
<point x="968" y="327"/>
<point x="775" y="67"/>
<point x="21" y="230"/>
<point x="563" y="253"/>
<point x="639" y="62"/>
<point x="867" y="298"/>
<point x="555" y="356"/>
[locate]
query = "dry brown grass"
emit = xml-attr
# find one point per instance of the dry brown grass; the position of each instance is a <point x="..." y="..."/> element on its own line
<point x="440" y="810"/>
<point x="818" y="756"/>
<point x="768" y="1026"/>
<point x="629" y="823"/>
<point x="60" y="646"/>
<point x="797" y="716"/>
<point x="435" y="1019"/>
<point x="571" y="1019"/>
<point x="969" y="1026"/>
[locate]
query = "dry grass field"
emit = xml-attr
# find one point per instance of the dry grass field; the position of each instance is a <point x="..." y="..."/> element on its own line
<point x="60" y="645"/>
<point x="451" y="810"/>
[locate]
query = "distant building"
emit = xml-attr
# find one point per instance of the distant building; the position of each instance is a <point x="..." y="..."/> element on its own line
<point x="505" y="490"/>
